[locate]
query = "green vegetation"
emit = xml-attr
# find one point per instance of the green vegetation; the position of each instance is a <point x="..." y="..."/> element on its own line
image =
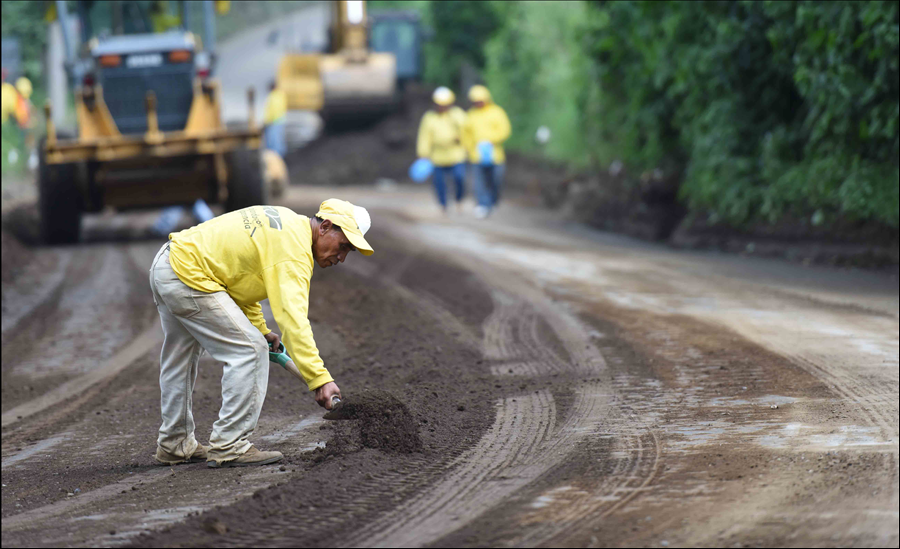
<point x="25" y="21"/>
<point x="767" y="108"/>
<point x="761" y="108"/>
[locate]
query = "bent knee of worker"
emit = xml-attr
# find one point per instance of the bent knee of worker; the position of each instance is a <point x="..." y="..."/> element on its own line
<point x="255" y="351"/>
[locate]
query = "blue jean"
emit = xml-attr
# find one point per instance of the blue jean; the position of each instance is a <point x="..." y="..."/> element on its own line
<point x="458" y="172"/>
<point x="488" y="182"/>
<point x="275" y="138"/>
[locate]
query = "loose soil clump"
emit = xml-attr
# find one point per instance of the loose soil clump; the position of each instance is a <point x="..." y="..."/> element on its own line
<point x="382" y="421"/>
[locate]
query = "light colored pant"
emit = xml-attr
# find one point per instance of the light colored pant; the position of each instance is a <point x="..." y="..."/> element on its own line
<point x="193" y="321"/>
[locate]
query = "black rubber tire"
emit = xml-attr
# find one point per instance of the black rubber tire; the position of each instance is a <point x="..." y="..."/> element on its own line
<point x="59" y="200"/>
<point x="246" y="183"/>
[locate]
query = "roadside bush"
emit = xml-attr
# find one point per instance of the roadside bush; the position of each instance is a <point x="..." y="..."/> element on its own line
<point x="461" y="30"/>
<point x="536" y="70"/>
<point x="765" y="108"/>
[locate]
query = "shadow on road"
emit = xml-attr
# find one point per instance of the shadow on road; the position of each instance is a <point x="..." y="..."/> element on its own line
<point x="23" y="222"/>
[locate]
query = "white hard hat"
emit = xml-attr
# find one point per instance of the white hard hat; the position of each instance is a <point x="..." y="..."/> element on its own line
<point x="443" y="96"/>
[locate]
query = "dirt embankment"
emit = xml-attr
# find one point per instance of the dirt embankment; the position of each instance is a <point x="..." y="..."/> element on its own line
<point x="364" y="155"/>
<point x="648" y="207"/>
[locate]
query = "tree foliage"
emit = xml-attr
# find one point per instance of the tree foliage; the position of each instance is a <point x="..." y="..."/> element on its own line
<point x="767" y="108"/>
<point x="461" y="30"/>
<point x="537" y="70"/>
<point x="760" y="108"/>
<point x="25" y="21"/>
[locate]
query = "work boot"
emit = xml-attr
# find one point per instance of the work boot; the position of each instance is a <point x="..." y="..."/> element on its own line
<point x="164" y="457"/>
<point x="250" y="457"/>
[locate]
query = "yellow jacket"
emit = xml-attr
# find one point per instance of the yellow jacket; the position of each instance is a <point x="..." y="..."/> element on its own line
<point x="489" y="123"/>
<point x="253" y="254"/>
<point x="10" y="98"/>
<point x="276" y="106"/>
<point x="440" y="137"/>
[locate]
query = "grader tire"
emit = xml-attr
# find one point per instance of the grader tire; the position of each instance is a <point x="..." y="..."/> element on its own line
<point x="246" y="181"/>
<point x="59" y="200"/>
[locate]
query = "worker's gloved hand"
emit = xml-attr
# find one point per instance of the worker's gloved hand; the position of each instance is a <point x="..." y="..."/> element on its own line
<point x="274" y="341"/>
<point x="325" y="392"/>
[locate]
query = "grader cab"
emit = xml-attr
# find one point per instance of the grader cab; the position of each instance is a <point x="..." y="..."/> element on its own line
<point x="149" y="128"/>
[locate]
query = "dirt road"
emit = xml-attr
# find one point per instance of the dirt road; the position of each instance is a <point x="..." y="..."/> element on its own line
<point x="568" y="387"/>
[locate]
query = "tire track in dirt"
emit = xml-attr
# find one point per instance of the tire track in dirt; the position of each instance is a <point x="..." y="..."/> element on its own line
<point x="84" y="386"/>
<point x="512" y="340"/>
<point x="578" y="510"/>
<point x="527" y="438"/>
<point x="872" y="410"/>
<point x="43" y="290"/>
<point x="118" y="502"/>
<point x="479" y="479"/>
<point x="100" y="294"/>
<point x="869" y="384"/>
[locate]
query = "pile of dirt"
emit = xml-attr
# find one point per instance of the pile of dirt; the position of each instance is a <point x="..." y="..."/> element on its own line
<point x="363" y="155"/>
<point x="381" y="421"/>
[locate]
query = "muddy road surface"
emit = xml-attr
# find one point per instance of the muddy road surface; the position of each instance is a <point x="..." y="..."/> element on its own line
<point x="548" y="386"/>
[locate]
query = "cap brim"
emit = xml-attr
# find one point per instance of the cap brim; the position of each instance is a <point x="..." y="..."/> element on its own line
<point x="359" y="242"/>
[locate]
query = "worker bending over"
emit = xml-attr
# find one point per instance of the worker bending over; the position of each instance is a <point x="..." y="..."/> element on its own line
<point x="207" y="283"/>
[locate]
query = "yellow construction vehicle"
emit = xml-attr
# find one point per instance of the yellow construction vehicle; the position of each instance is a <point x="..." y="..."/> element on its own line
<point x="150" y="132"/>
<point x="349" y="79"/>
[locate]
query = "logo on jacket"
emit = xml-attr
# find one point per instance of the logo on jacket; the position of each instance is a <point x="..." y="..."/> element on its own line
<point x="274" y="218"/>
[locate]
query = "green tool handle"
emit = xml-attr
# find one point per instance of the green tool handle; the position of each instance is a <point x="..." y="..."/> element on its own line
<point x="280" y="356"/>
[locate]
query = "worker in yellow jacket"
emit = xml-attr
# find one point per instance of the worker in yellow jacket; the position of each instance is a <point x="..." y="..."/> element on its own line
<point x="207" y="282"/>
<point x="440" y="140"/>
<point x="10" y="99"/>
<point x="484" y="132"/>
<point x="274" y="119"/>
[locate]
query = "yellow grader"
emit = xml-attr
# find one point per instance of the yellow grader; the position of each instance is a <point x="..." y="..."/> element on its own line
<point x="149" y="127"/>
<point x="349" y="79"/>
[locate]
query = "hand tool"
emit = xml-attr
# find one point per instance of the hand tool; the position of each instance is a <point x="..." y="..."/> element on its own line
<point x="281" y="357"/>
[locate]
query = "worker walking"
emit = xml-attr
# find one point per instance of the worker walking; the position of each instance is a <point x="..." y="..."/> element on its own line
<point x="440" y="140"/>
<point x="207" y="282"/>
<point x="274" y="117"/>
<point x="485" y="130"/>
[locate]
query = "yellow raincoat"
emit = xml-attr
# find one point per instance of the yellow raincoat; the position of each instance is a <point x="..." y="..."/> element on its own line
<point x="440" y="137"/>
<point x="10" y="98"/>
<point x="276" y="107"/>
<point x="489" y="123"/>
<point x="253" y="254"/>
